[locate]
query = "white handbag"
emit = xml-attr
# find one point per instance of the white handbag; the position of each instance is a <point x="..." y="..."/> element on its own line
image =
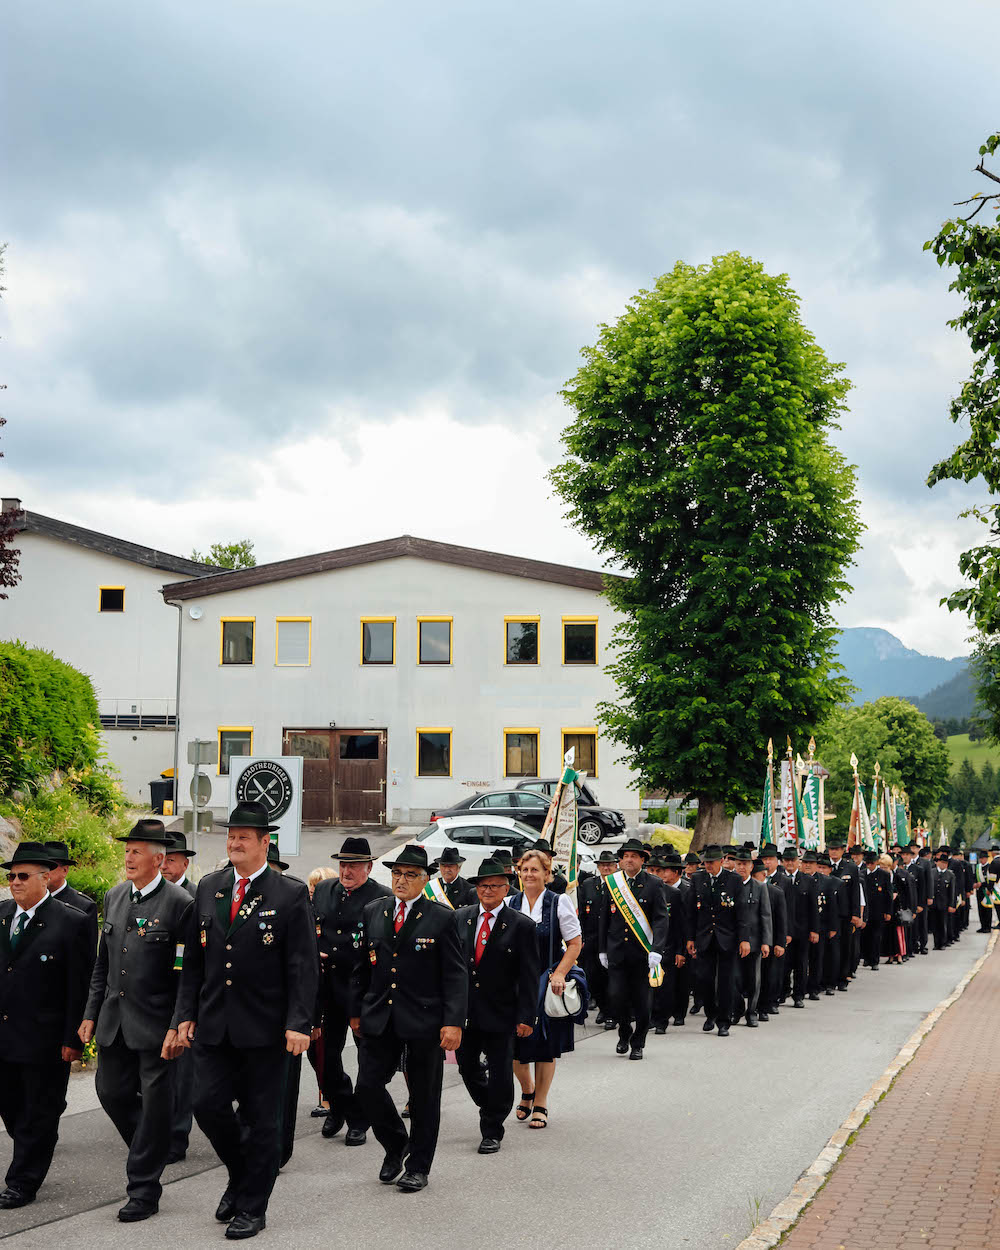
<point x="560" y="1006"/>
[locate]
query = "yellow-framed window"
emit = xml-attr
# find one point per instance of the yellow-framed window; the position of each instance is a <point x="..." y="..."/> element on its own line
<point x="520" y="639"/>
<point x="293" y="641"/>
<point x="584" y="742"/>
<point x="378" y="640"/>
<point x="233" y="740"/>
<point x="434" y="752"/>
<point x="237" y="639"/>
<point x="520" y="752"/>
<point x="434" y="635"/>
<point x="579" y="639"/>
<point x="111" y="598"/>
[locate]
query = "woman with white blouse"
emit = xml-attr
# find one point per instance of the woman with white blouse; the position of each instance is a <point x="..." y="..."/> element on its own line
<point x="557" y="924"/>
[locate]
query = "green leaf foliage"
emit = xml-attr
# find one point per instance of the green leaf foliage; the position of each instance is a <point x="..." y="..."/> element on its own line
<point x="236" y="555"/>
<point x="898" y="736"/>
<point x="698" y="461"/>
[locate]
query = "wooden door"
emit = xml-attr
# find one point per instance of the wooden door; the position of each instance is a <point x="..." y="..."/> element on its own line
<point x="359" y="776"/>
<point x="316" y="747"/>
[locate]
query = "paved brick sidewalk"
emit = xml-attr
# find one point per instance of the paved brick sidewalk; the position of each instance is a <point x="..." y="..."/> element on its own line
<point x="925" y="1169"/>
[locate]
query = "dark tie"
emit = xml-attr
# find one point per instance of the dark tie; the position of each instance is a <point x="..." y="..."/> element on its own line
<point x="17" y="931"/>
<point x="135" y="897"/>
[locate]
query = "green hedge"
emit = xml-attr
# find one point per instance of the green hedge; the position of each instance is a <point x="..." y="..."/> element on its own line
<point x="48" y="717"/>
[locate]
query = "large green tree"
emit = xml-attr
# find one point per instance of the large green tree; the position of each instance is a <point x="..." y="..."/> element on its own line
<point x="893" y="733"/>
<point x="699" y="461"/>
<point x="971" y="245"/>
<point x="235" y="555"/>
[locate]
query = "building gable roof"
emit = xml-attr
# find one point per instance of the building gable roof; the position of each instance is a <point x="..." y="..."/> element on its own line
<point x="387" y="549"/>
<point x="34" y="523"/>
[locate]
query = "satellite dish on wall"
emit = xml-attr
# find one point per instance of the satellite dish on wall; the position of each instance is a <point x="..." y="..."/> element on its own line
<point x="195" y="613"/>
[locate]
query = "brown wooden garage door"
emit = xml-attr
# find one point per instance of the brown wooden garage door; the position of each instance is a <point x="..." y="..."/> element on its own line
<point x="343" y="774"/>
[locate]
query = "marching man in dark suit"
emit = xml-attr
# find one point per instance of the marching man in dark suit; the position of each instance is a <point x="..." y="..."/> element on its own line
<point x="803" y="925"/>
<point x="878" y="896"/>
<point x="627" y="959"/>
<point x="339" y="907"/>
<point x="176" y="863"/>
<point x="718" y="936"/>
<point x="410" y="989"/>
<point x="757" y="902"/>
<point x="133" y="990"/>
<point x="461" y="893"/>
<point x="848" y="872"/>
<point x="44" y="972"/>
<point x="246" y="1002"/>
<point x="65" y="893"/>
<point x="589" y="901"/>
<point x="945" y="898"/>
<point x="771" y="964"/>
<point x="501" y="954"/>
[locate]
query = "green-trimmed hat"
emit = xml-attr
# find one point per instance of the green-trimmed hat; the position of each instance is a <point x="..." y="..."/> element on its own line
<point x="809" y="857"/>
<point x="710" y="854"/>
<point x="769" y="848"/>
<point x="180" y="847"/>
<point x="31" y="853"/>
<point x="692" y="857"/>
<point x="60" y="853"/>
<point x="411" y="856"/>
<point x="634" y="845"/>
<point x="608" y="856"/>
<point x="824" y="859"/>
<point x="742" y="854"/>
<point x="790" y="853"/>
<point x="148" y="831"/>
<point x="354" y="851"/>
<point x="490" y="868"/>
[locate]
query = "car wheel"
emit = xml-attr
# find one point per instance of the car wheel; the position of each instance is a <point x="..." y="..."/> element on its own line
<point x="590" y="833"/>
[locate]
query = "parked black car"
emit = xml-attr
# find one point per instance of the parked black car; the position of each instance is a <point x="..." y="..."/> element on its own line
<point x="595" y="822"/>
<point x="529" y="805"/>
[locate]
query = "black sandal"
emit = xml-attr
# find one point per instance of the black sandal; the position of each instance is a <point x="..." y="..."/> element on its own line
<point x="543" y="1122"/>
<point x="524" y="1106"/>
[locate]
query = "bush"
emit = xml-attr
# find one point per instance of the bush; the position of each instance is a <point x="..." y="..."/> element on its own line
<point x="64" y="814"/>
<point x="49" y="714"/>
<point x="658" y="816"/>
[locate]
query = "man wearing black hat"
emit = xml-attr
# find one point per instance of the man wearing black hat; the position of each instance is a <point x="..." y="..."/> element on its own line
<point x="669" y="1000"/>
<point x="918" y="870"/>
<point x="965" y="883"/>
<point x="132" y="994"/>
<point x="176" y="863"/>
<point x="771" y="963"/>
<point x="943" y="906"/>
<point x="837" y="917"/>
<point x="339" y="907"/>
<point x="410" y="988"/>
<point x="842" y="867"/>
<point x="757" y="903"/>
<point x="718" y="936"/>
<point x="878" y="894"/>
<point x="65" y="893"/>
<point x="987" y="871"/>
<point x="460" y="892"/>
<point x="625" y="957"/>
<point x="589" y="900"/>
<point x="501" y="955"/>
<point x="44" y="971"/>
<point x="803" y="925"/>
<point x="247" y="997"/>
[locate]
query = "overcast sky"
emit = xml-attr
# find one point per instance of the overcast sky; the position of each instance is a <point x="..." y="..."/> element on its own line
<point x="314" y="272"/>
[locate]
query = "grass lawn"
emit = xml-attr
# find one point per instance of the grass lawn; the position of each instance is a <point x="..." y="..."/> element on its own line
<point x="960" y="748"/>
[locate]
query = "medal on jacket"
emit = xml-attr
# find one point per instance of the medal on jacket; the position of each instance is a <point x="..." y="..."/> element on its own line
<point x="204" y="937"/>
<point x="373" y="957"/>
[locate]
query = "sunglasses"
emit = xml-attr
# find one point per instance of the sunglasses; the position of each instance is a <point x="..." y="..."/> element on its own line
<point x="25" y="876"/>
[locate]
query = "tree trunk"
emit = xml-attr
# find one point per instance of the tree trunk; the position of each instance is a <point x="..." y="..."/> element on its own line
<point x="712" y="825"/>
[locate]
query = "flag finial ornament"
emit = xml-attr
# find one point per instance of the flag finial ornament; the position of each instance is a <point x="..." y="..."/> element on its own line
<point x="854" y="761"/>
<point x="812" y="747"/>
<point x="770" y="748"/>
<point x="878" y="768"/>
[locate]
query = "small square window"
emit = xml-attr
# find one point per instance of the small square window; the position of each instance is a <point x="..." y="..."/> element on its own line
<point x="579" y="642"/>
<point x="112" y="599"/>
<point x="293" y="643"/>
<point x="521" y="642"/>
<point x="435" y="642"/>
<point x="233" y="742"/>
<point x="237" y="642"/>
<point x="378" y="642"/>
<point x="584" y="744"/>
<point x="433" y="752"/>
<point x="520" y="753"/>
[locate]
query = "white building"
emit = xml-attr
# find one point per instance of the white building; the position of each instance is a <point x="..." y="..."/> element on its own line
<point x="94" y="601"/>
<point x="405" y="672"/>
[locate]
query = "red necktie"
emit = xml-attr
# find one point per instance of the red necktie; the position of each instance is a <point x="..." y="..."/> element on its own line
<point x="482" y="937"/>
<point x="400" y="916"/>
<point x="238" y="895"/>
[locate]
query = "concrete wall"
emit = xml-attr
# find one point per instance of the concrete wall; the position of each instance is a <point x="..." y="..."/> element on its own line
<point x="140" y="755"/>
<point x="477" y="695"/>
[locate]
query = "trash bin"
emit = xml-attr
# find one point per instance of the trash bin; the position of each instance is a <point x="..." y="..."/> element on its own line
<point x="158" y="791"/>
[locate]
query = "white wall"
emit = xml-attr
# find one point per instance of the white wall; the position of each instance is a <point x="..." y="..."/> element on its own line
<point x="140" y="755"/>
<point x="477" y="695"/>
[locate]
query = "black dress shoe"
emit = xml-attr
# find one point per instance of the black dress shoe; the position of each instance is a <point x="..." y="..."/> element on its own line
<point x="751" y="1021"/>
<point x="226" y="1209"/>
<point x="412" y="1182"/>
<point x="391" y="1168"/>
<point x="678" y="1022"/>
<point x="798" y="1003"/>
<point x="244" y="1225"/>
<point x="319" y="1111"/>
<point x="133" y="1211"/>
<point x="332" y="1125"/>
<point x="723" y="1030"/>
<point x="708" y="1026"/>
<point x="488" y="1146"/>
<point x="609" y="1025"/>
<point x="763" y="1017"/>
<point x="829" y="993"/>
<point x="355" y="1137"/>
<point x="695" y="1009"/>
<point x="814" y="998"/>
<point x="843" y="987"/>
<point x="11" y="1198"/>
<point x="660" y="1030"/>
<point x="621" y="1048"/>
<point x="601" y="1018"/>
<point x="636" y="1052"/>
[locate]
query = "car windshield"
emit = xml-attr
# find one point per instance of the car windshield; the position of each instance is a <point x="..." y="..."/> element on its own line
<point x="426" y="833"/>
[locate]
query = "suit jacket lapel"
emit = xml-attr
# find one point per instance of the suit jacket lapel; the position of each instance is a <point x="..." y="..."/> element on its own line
<point x="254" y="896"/>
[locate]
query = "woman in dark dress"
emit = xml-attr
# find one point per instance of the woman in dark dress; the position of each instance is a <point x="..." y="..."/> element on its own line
<point x="557" y="926"/>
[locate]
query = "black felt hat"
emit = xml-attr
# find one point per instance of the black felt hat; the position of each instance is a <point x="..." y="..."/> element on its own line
<point x="608" y="857"/>
<point x="180" y="847"/>
<point x="758" y="866"/>
<point x="856" y="849"/>
<point x="490" y="868"/>
<point x="411" y="856"/>
<point x="248" y="815"/>
<point x="148" y="831"/>
<point x="543" y="845"/>
<point x="871" y="857"/>
<point x="942" y="857"/>
<point x="769" y="848"/>
<point x="31" y="853"/>
<point x="273" y="857"/>
<point x="790" y="853"/>
<point x="354" y="851"/>
<point x="451" y="855"/>
<point x="809" y="857"/>
<point x="633" y="844"/>
<point x="60" y="853"/>
<point x="824" y="859"/>
<point x="742" y="854"/>
<point x="836" y="839"/>
<point x="692" y="857"/>
<point x="711" y="854"/>
<point x="503" y="854"/>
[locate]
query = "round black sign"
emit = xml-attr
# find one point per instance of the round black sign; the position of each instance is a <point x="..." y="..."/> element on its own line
<point x="265" y="782"/>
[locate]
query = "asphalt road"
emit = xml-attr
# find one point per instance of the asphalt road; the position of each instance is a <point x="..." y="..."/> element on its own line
<point x="673" y="1152"/>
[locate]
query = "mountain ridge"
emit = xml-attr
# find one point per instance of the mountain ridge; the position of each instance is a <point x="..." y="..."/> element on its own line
<point x="878" y="663"/>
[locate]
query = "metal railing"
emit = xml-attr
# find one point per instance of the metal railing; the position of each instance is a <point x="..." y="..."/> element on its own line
<point x="137" y="713"/>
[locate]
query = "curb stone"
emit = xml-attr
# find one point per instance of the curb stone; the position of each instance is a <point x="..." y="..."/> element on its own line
<point x="770" y="1231"/>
